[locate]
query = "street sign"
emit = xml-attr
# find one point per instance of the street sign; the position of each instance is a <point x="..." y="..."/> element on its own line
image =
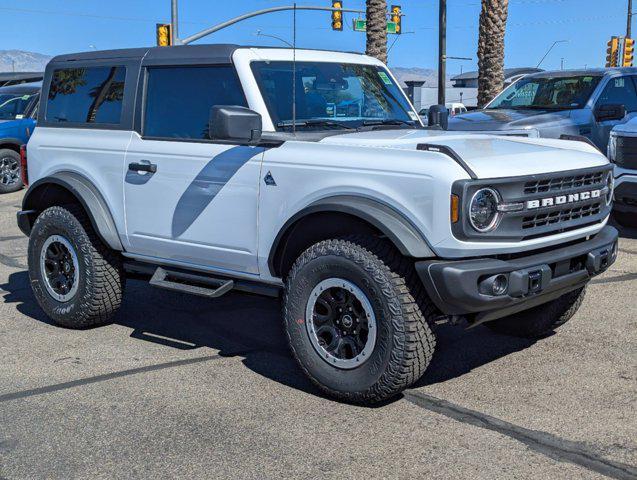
<point x="360" y="25"/>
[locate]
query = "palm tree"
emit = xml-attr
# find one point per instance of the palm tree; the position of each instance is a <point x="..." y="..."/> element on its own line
<point x="493" y="19"/>
<point x="377" y="29"/>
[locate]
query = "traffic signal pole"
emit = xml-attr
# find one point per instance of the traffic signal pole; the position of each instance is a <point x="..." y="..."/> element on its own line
<point x="256" y="13"/>
<point x="442" y="51"/>
<point x="174" y="21"/>
<point x="630" y="19"/>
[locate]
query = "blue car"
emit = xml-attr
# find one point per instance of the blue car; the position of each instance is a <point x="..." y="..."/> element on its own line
<point x="587" y="103"/>
<point x="18" y="105"/>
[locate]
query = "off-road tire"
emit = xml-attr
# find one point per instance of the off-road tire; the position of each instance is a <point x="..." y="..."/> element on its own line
<point x="14" y="187"/>
<point x="101" y="276"/>
<point x="541" y="320"/>
<point x="405" y="342"/>
<point x="626" y="219"/>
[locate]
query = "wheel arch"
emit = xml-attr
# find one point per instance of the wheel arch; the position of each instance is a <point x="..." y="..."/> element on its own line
<point x="342" y="215"/>
<point x="65" y="187"/>
<point x="11" y="144"/>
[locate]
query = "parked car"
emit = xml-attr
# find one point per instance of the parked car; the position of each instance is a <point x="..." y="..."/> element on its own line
<point x="423" y="113"/>
<point x="197" y="168"/>
<point x="622" y="151"/>
<point x="456" y="109"/>
<point x="18" y="106"/>
<point x="452" y="108"/>
<point x="585" y="103"/>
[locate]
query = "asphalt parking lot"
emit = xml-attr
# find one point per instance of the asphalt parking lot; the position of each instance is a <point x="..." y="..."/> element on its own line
<point x="185" y="387"/>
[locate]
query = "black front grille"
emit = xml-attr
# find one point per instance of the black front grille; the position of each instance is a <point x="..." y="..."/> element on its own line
<point x="564" y="183"/>
<point x="560" y="216"/>
<point x="547" y="203"/>
<point x="626" y="152"/>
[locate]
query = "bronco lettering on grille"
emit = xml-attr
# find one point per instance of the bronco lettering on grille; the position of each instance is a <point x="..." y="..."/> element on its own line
<point x="563" y="199"/>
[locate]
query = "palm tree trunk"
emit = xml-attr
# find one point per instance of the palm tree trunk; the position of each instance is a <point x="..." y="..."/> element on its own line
<point x="377" y="29"/>
<point x="493" y="18"/>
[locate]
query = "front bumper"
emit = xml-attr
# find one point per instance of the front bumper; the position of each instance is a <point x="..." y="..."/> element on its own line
<point x="464" y="287"/>
<point x="626" y="194"/>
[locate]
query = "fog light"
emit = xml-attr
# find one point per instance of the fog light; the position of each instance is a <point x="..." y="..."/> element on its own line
<point x="615" y="250"/>
<point x="500" y="285"/>
<point x="496" y="285"/>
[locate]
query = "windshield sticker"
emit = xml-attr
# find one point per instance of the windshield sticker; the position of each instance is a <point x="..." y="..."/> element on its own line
<point x="26" y="97"/>
<point x="413" y="116"/>
<point x="384" y="77"/>
<point x="619" y="82"/>
<point x="19" y="117"/>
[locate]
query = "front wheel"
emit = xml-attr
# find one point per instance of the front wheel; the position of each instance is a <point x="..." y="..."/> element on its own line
<point x="10" y="171"/>
<point x="77" y="280"/>
<point x="352" y="322"/>
<point x="540" y="320"/>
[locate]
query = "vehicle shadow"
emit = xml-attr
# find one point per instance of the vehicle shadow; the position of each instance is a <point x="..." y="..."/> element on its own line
<point x="251" y="325"/>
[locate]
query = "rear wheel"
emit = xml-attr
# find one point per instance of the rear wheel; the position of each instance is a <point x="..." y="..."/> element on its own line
<point x="352" y="322"/>
<point x="540" y="320"/>
<point x="10" y="171"/>
<point x="76" y="279"/>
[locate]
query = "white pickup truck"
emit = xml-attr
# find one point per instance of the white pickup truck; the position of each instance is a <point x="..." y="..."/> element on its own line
<point x="307" y="175"/>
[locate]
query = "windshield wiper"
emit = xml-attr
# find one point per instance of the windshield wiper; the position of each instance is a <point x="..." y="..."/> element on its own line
<point x="388" y="121"/>
<point x="312" y="123"/>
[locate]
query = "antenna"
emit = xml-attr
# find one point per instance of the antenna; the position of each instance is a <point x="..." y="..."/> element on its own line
<point x="294" y="70"/>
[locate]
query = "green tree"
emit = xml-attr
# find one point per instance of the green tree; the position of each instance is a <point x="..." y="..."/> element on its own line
<point x="493" y="18"/>
<point x="377" y="29"/>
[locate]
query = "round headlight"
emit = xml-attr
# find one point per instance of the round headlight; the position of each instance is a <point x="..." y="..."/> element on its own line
<point x="610" y="185"/>
<point x="483" y="211"/>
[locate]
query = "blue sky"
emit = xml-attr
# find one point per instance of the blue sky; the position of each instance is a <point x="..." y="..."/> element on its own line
<point x="60" y="26"/>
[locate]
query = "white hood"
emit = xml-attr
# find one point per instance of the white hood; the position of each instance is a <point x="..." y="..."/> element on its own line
<point x="488" y="156"/>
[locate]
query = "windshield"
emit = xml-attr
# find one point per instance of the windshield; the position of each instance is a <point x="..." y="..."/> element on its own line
<point x="332" y="95"/>
<point x="13" y="105"/>
<point x="552" y="93"/>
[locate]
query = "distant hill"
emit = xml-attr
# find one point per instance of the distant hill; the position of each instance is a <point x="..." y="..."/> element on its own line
<point x="22" y="61"/>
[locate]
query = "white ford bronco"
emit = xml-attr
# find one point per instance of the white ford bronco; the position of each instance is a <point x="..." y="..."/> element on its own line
<point x="305" y="174"/>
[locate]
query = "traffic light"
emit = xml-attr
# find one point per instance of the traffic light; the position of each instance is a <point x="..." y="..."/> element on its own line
<point x="337" y="15"/>
<point x="164" y="35"/>
<point x="396" y="18"/>
<point x="612" y="52"/>
<point x="629" y="48"/>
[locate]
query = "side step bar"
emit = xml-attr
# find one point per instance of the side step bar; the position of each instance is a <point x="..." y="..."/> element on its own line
<point x="217" y="287"/>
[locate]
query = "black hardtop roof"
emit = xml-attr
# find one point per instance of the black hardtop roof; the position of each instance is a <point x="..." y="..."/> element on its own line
<point x="218" y="52"/>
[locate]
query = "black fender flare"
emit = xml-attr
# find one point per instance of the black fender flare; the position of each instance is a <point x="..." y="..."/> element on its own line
<point x="16" y="142"/>
<point x="395" y="226"/>
<point x="86" y="193"/>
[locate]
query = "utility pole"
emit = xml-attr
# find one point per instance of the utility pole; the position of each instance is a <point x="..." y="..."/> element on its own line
<point x="442" y="51"/>
<point x="174" y="21"/>
<point x="629" y="23"/>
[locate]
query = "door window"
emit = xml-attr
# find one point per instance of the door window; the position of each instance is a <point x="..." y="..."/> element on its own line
<point x="86" y="95"/>
<point x="179" y="99"/>
<point x="620" y="91"/>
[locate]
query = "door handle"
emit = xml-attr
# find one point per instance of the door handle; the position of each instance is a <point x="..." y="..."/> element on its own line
<point x="143" y="166"/>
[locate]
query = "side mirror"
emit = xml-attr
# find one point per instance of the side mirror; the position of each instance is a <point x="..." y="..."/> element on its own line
<point x="609" y="112"/>
<point x="438" y="116"/>
<point x="234" y="125"/>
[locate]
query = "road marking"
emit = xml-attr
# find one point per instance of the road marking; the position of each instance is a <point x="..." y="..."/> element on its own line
<point x="619" y="278"/>
<point x="15" y="237"/>
<point x="110" y="376"/>
<point x="541" y="442"/>
<point x="11" y="262"/>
